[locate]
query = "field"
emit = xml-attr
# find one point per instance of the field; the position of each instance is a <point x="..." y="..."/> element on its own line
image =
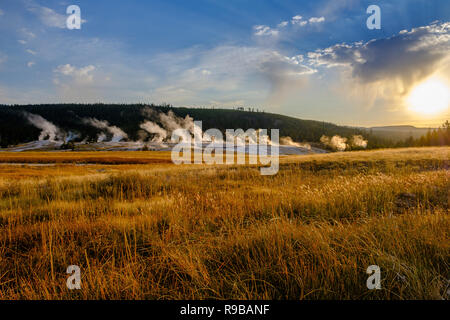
<point x="140" y="227"/>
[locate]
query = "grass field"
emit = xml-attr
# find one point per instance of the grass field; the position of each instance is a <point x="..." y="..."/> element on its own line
<point x="140" y="227"/>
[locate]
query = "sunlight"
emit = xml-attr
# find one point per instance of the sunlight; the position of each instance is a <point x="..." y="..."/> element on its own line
<point x="429" y="97"/>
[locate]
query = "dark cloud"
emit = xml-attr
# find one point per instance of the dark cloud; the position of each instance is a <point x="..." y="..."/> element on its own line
<point x="407" y="57"/>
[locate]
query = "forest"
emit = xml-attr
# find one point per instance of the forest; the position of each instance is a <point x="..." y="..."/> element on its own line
<point x="15" y="129"/>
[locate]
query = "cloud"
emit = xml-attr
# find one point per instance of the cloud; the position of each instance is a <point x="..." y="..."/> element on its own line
<point x="102" y="71"/>
<point x="47" y="16"/>
<point x="296" y="19"/>
<point x="393" y="65"/>
<point x="316" y="20"/>
<point x="282" y="27"/>
<point x="77" y="84"/>
<point x="80" y="75"/>
<point x="335" y="8"/>
<point x="27" y="33"/>
<point x="22" y="41"/>
<point x="1" y="12"/>
<point x="31" y="52"/>
<point x="286" y="75"/>
<point x="234" y="74"/>
<point x="262" y="30"/>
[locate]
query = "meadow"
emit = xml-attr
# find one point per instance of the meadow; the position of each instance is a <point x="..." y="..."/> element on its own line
<point x="141" y="227"/>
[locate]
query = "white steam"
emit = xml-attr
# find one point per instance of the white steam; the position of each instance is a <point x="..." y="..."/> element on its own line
<point x="339" y="143"/>
<point x="287" y="141"/>
<point x="151" y="127"/>
<point x="71" y="136"/>
<point x="49" y="131"/>
<point x="101" y="137"/>
<point x="117" y="133"/>
<point x="358" y="141"/>
<point x="168" y="123"/>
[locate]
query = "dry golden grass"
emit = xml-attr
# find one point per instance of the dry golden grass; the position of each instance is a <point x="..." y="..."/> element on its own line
<point x="101" y="157"/>
<point x="160" y="231"/>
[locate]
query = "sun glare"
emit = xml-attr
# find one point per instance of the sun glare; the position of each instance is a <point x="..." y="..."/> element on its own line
<point x="429" y="97"/>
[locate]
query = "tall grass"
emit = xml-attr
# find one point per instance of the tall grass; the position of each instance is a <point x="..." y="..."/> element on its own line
<point x="160" y="231"/>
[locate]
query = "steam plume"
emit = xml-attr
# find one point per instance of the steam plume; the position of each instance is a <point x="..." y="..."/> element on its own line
<point x="117" y="133"/>
<point x="339" y="143"/>
<point x="151" y="127"/>
<point x="289" y="142"/>
<point x="358" y="141"/>
<point x="49" y="130"/>
<point x="71" y="136"/>
<point x="169" y="122"/>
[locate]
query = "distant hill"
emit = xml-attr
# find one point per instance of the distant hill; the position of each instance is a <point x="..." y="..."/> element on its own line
<point x="14" y="128"/>
<point x="398" y="133"/>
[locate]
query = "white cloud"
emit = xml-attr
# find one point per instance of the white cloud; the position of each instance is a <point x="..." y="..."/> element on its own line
<point x="22" y="41"/>
<point x="316" y="19"/>
<point x="80" y="75"/>
<point x="28" y="33"/>
<point x="77" y="84"/>
<point x="30" y="64"/>
<point x="1" y="12"/>
<point x="48" y="16"/>
<point x="262" y="30"/>
<point x="250" y="74"/>
<point x="66" y="69"/>
<point x="297" y="20"/>
<point x="31" y="52"/>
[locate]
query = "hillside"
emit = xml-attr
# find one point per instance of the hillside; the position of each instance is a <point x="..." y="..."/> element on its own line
<point x="398" y="133"/>
<point x="70" y="118"/>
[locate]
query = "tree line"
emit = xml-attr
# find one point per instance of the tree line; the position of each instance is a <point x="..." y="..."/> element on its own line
<point x="15" y="129"/>
<point x="436" y="137"/>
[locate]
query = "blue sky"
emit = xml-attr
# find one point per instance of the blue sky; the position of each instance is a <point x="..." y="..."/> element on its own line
<point x="309" y="59"/>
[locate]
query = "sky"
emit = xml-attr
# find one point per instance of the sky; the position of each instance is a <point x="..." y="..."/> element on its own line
<point x="309" y="59"/>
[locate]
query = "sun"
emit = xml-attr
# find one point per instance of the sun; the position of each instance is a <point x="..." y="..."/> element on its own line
<point x="429" y="97"/>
